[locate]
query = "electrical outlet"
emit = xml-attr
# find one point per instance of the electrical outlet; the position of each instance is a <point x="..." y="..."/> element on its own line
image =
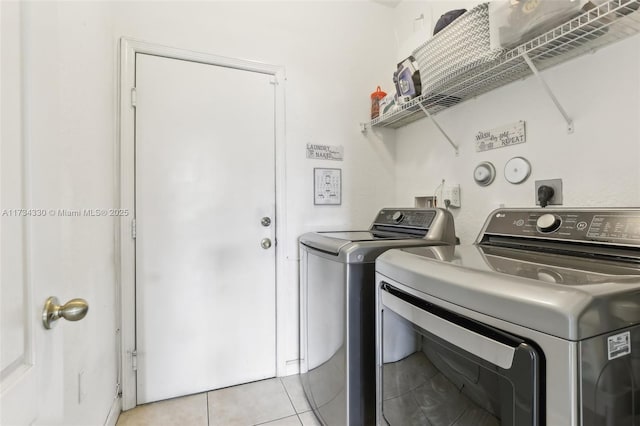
<point x="451" y="193"/>
<point x="556" y="184"/>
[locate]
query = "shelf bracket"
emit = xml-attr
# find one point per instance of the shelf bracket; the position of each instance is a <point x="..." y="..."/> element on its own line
<point x="546" y="87"/>
<point x="363" y="127"/>
<point x="439" y="128"/>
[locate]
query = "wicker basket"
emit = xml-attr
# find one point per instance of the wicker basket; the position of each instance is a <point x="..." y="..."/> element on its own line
<point x="462" y="46"/>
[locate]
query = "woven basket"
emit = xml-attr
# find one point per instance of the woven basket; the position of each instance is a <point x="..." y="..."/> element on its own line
<point x="459" y="48"/>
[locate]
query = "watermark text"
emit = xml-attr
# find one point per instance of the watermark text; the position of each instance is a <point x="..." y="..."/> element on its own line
<point x="64" y="212"/>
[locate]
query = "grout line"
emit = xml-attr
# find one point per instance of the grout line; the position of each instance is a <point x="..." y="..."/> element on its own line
<point x="280" y="418"/>
<point x="208" y="418"/>
<point x="295" y="410"/>
<point x="313" y="416"/>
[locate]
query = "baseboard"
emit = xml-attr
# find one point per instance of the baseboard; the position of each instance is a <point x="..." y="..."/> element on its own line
<point x="292" y="367"/>
<point x="114" y="412"/>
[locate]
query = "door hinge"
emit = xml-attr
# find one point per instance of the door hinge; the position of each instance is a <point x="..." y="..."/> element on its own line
<point x="274" y="81"/>
<point x="134" y="97"/>
<point x="134" y="231"/>
<point x="134" y="360"/>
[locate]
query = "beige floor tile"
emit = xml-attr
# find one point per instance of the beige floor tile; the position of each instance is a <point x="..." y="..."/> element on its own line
<point x="287" y="421"/>
<point x="403" y="410"/>
<point x="249" y="404"/>
<point x="309" y="419"/>
<point x="188" y="410"/>
<point x="294" y="388"/>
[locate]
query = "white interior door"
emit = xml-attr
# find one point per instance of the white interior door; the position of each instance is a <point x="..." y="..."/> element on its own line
<point x="31" y="362"/>
<point x="205" y="287"/>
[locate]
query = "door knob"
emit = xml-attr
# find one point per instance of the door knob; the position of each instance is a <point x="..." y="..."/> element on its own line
<point x="73" y="310"/>
<point x="265" y="243"/>
<point x="266" y="221"/>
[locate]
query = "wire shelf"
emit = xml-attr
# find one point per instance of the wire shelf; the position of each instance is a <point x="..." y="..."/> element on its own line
<point x="603" y="25"/>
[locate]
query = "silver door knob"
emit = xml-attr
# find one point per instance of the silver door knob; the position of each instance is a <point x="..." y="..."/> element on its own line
<point x="266" y="221"/>
<point x="73" y="310"/>
<point x="265" y="243"/>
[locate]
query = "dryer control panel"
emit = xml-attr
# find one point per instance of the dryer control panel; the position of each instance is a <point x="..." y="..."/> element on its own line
<point x="412" y="218"/>
<point x="615" y="226"/>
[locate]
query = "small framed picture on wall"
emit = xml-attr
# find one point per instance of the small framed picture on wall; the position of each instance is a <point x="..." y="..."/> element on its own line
<point x="327" y="187"/>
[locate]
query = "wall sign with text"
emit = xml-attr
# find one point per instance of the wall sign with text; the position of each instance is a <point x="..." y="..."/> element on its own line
<point x="500" y="137"/>
<point x="327" y="186"/>
<point x="325" y="152"/>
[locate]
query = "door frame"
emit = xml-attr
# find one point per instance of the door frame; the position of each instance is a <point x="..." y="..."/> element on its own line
<point x="125" y="187"/>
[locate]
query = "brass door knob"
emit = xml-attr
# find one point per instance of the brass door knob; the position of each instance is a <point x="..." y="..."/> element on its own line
<point x="73" y="310"/>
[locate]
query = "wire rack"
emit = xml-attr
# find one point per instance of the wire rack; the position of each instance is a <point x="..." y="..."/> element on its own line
<point x="610" y="22"/>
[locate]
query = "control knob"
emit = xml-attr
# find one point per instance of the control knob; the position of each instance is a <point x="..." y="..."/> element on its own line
<point x="397" y="217"/>
<point x="548" y="223"/>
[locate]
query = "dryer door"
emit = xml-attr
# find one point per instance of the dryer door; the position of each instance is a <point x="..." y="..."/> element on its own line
<point x="458" y="372"/>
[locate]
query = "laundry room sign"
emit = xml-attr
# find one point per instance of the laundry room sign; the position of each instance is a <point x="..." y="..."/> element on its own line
<point x="325" y="152"/>
<point x="500" y="137"/>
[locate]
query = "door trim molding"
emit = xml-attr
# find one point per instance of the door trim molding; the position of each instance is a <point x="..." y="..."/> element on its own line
<point x="125" y="188"/>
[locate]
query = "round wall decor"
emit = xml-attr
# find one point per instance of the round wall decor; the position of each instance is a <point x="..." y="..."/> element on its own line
<point x="484" y="173"/>
<point x="517" y="170"/>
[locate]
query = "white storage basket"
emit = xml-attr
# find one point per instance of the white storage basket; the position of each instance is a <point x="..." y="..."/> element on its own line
<point x="459" y="48"/>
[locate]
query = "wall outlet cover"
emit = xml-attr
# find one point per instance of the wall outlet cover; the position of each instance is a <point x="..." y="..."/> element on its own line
<point x="451" y="193"/>
<point x="556" y="184"/>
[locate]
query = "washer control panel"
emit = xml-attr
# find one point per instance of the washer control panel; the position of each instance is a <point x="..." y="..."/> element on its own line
<point x="413" y="218"/>
<point x="613" y="226"/>
<point x="548" y="223"/>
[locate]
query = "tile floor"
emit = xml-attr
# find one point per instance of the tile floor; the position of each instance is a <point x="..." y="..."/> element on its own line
<point x="271" y="402"/>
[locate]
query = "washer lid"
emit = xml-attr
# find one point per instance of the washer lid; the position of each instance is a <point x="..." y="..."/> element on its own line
<point x="333" y="242"/>
<point x="564" y="296"/>
<point x="359" y="236"/>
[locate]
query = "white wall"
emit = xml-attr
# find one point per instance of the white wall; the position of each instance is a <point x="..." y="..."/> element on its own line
<point x="599" y="162"/>
<point x="332" y="52"/>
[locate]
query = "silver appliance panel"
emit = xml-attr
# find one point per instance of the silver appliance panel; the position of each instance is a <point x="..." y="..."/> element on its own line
<point x="337" y="308"/>
<point x="359" y="236"/>
<point x="582" y="386"/>
<point x="333" y="242"/>
<point x="565" y="281"/>
<point x="561" y="298"/>
<point x="458" y="372"/>
<point x="406" y="218"/>
<point x="606" y="227"/>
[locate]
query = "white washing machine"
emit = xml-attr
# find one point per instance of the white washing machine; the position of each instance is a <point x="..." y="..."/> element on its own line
<point x="537" y="323"/>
